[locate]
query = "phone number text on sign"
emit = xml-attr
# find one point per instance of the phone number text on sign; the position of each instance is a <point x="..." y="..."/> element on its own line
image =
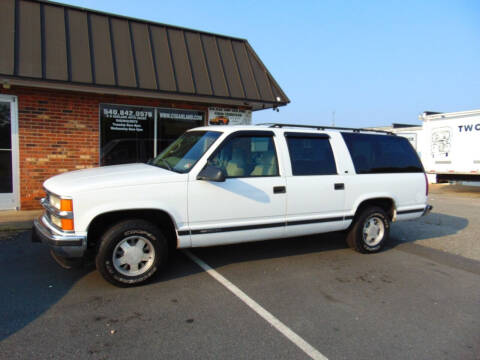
<point x="126" y="119"/>
<point x="127" y="114"/>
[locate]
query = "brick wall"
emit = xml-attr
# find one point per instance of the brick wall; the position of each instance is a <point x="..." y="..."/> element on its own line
<point x="59" y="132"/>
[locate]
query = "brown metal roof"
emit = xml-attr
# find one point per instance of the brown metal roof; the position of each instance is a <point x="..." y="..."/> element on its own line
<point x="60" y="45"/>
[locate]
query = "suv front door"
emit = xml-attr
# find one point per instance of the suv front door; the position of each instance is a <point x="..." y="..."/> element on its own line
<point x="250" y="204"/>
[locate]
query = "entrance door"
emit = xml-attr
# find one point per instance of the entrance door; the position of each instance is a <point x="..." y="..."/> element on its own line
<point x="8" y="153"/>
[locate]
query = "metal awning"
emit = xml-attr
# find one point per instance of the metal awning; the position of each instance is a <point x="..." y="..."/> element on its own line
<point x="53" y="45"/>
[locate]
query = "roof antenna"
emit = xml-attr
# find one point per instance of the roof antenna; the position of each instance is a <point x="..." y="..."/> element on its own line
<point x="333" y="118"/>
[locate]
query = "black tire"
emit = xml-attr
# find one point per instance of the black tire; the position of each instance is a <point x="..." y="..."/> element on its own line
<point x="355" y="236"/>
<point x="128" y="231"/>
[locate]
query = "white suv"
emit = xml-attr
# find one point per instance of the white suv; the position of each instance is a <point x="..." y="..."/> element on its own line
<point x="231" y="184"/>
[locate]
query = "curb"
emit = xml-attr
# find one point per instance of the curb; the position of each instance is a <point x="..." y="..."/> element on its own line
<point x="16" y="226"/>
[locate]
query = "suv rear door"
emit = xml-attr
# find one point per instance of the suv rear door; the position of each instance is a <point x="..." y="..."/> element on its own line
<point x="315" y="186"/>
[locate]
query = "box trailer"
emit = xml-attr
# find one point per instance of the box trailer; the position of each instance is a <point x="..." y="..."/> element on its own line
<point x="450" y="145"/>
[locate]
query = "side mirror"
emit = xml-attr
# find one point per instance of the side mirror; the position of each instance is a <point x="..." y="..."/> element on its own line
<point x="211" y="173"/>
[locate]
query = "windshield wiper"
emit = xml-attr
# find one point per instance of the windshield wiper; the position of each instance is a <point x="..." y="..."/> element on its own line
<point x="154" y="163"/>
<point x="166" y="163"/>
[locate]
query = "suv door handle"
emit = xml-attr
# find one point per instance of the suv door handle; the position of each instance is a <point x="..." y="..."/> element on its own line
<point x="339" y="186"/>
<point x="279" y="189"/>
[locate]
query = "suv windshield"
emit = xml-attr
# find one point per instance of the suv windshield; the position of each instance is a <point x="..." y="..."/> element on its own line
<point x="184" y="152"/>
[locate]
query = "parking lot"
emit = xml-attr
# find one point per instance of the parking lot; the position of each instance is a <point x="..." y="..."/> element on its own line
<point x="284" y="299"/>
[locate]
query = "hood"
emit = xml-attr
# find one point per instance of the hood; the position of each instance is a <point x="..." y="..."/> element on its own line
<point x="75" y="182"/>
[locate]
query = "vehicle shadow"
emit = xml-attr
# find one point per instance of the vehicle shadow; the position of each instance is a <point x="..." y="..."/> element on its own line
<point x="434" y="225"/>
<point x="32" y="282"/>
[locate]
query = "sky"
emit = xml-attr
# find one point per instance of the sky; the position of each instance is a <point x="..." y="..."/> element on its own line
<point x="357" y="63"/>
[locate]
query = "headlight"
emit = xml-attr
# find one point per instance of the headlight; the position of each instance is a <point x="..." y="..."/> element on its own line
<point x="60" y="204"/>
<point x="55" y="201"/>
<point x="60" y="212"/>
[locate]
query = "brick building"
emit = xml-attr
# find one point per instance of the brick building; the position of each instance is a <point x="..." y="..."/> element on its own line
<point x="80" y="88"/>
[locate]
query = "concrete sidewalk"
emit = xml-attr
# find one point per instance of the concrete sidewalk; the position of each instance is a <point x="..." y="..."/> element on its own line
<point x="12" y="220"/>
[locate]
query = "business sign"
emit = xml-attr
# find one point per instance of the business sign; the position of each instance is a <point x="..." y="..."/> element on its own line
<point x="126" y="118"/>
<point x="126" y="133"/>
<point x="180" y="115"/>
<point x="136" y="133"/>
<point x="225" y="116"/>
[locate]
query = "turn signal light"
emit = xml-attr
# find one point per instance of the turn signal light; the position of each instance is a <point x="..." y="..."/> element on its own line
<point x="67" y="224"/>
<point x="66" y="205"/>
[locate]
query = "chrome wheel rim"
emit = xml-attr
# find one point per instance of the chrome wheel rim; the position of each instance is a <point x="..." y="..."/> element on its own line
<point x="133" y="256"/>
<point x="373" y="231"/>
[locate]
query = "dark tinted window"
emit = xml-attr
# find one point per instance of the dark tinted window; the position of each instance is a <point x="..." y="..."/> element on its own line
<point x="174" y="122"/>
<point x="381" y="154"/>
<point x="126" y="134"/>
<point x="311" y="155"/>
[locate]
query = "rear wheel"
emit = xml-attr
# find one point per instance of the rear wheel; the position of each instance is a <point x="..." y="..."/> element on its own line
<point x="370" y="230"/>
<point x="131" y="252"/>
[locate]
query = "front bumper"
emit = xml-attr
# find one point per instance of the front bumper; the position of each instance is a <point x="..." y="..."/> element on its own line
<point x="63" y="244"/>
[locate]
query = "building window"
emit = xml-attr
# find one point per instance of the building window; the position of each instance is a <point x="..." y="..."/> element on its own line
<point x="174" y="122"/>
<point x="130" y="134"/>
<point x="6" y="179"/>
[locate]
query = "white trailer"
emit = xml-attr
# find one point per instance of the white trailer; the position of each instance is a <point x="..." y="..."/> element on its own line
<point x="450" y="145"/>
<point x="414" y="134"/>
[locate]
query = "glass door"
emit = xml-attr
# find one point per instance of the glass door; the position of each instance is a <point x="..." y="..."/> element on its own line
<point x="8" y="154"/>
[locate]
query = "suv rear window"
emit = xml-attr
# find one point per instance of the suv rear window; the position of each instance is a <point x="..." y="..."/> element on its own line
<point x="373" y="154"/>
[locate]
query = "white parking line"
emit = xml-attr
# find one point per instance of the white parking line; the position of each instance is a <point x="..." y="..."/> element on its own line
<point x="277" y="324"/>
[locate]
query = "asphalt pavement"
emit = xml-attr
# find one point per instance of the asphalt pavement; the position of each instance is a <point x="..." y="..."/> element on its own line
<point x="418" y="299"/>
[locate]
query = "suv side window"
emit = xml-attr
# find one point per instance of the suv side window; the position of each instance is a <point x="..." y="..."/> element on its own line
<point x="310" y="154"/>
<point x="247" y="156"/>
<point x="374" y="154"/>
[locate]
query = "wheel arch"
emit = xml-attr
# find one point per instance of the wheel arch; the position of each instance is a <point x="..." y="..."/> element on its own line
<point x="384" y="202"/>
<point x="101" y="222"/>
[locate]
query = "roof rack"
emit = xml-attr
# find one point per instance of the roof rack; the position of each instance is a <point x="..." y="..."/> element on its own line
<point x="321" y="127"/>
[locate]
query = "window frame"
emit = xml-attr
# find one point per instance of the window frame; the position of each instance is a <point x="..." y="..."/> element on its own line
<point x="248" y="133"/>
<point x="301" y="135"/>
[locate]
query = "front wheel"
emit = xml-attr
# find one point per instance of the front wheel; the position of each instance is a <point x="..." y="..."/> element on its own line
<point x="370" y="230"/>
<point x="131" y="252"/>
